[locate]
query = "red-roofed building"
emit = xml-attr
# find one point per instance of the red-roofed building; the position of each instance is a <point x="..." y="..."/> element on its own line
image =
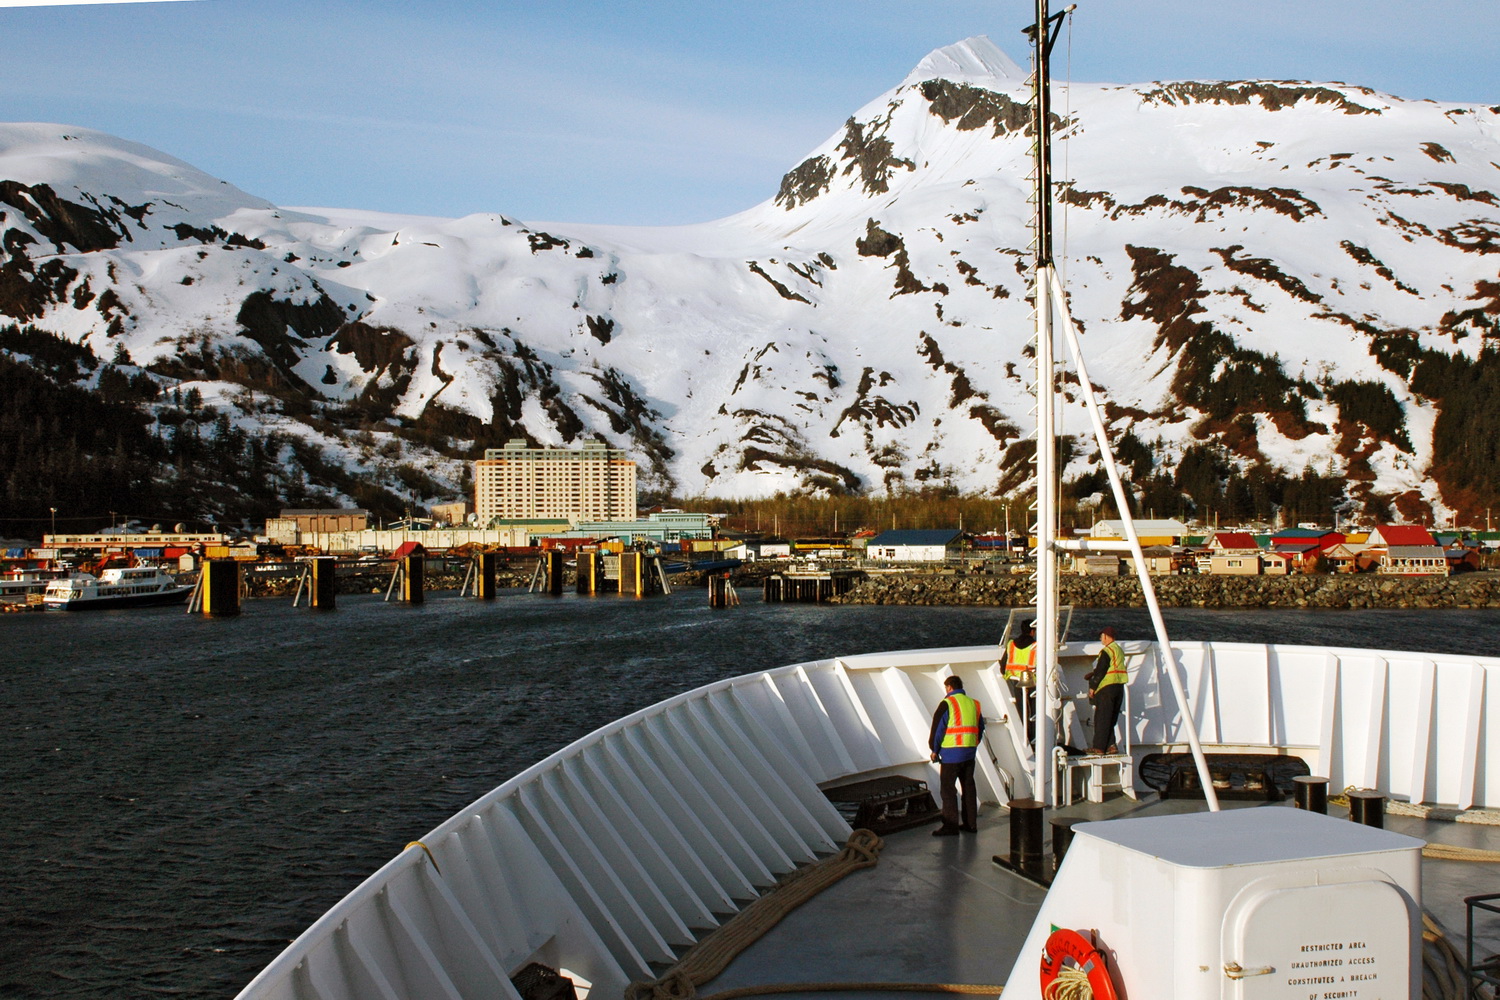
<point x="1232" y="541"/>
<point x="1386" y="535"/>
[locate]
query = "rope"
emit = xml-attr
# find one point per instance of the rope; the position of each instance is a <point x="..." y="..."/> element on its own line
<point x="1072" y="983"/>
<point x="709" y="957"/>
<point x="1452" y="852"/>
<point x="418" y="843"/>
<point x="750" y="991"/>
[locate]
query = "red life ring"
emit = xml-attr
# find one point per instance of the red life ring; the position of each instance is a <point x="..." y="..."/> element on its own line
<point x="1064" y="944"/>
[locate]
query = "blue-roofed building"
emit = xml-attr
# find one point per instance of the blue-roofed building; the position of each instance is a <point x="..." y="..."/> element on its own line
<point x="914" y="545"/>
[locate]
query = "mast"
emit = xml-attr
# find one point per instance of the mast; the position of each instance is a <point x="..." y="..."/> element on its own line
<point x="1043" y="35"/>
<point x="1045" y="286"/>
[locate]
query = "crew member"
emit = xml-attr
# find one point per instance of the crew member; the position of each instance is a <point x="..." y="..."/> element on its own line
<point x="957" y="727"/>
<point x="1106" y="691"/>
<point x="1020" y="672"/>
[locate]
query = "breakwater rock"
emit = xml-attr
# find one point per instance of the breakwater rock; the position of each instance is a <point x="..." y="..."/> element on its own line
<point x="1470" y="590"/>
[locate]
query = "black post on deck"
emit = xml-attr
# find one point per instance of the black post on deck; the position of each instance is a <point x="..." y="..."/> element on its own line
<point x="1026" y="837"/>
<point x="484" y="587"/>
<point x="1367" y="808"/>
<point x="1311" y="793"/>
<point x="554" y="559"/>
<point x="1062" y="838"/>
<point x="413" y="570"/>
<point x="221" y="587"/>
<point x="324" y="571"/>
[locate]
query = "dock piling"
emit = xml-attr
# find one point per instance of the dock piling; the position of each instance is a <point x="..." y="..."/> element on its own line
<point x="221" y="587"/>
<point x="323" y="593"/>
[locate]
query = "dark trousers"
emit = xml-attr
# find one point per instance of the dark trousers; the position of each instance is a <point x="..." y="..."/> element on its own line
<point x="1024" y="696"/>
<point x="953" y="778"/>
<point x="1106" y="712"/>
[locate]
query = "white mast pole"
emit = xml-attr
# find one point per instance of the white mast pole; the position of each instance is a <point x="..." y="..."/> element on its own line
<point x="1167" y="658"/>
<point x="1046" y="534"/>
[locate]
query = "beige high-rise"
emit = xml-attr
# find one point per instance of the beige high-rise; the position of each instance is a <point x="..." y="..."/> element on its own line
<point x="591" y="483"/>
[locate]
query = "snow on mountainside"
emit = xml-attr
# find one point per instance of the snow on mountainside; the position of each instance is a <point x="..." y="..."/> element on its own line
<point x="1303" y="275"/>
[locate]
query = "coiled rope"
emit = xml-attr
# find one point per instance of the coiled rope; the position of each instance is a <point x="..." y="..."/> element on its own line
<point x="1072" y="983"/>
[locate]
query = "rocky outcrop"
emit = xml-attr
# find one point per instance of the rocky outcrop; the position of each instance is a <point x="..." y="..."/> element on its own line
<point x="1473" y="590"/>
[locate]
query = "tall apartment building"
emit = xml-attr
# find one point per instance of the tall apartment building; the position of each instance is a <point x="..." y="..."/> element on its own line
<point x="592" y="483"/>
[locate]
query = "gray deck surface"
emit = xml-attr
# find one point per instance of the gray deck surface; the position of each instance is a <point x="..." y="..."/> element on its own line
<point x="938" y="909"/>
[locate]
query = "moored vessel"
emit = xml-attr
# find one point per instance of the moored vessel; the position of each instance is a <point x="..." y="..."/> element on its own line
<point x="116" y="587"/>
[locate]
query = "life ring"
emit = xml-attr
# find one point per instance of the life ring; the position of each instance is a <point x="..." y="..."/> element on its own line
<point x="1064" y="944"/>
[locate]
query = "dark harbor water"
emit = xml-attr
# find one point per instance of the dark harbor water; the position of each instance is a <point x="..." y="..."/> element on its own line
<point x="180" y="796"/>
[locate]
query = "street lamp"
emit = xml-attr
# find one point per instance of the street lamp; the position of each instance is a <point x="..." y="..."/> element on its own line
<point x="54" y="519"/>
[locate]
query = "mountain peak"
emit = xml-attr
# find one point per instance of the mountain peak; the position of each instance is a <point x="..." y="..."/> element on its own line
<point x="973" y="60"/>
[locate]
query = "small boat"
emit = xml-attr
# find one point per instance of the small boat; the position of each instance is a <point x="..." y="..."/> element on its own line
<point x="119" y="587"/>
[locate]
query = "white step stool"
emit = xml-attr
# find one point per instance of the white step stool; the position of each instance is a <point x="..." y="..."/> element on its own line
<point x="1095" y="782"/>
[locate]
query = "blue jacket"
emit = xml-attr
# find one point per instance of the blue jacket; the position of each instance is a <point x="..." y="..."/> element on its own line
<point x="950" y="755"/>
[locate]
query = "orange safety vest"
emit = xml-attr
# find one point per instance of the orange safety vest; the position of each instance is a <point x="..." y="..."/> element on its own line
<point x="963" y="722"/>
<point x="1020" y="662"/>
<point x="1116" y="674"/>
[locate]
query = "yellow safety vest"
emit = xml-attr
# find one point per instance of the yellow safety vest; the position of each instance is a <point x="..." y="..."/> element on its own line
<point x="1019" y="663"/>
<point x="1116" y="674"/>
<point x="963" y="722"/>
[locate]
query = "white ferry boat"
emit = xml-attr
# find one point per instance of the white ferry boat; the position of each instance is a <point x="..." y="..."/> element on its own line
<point x="674" y="851"/>
<point x="127" y="587"/>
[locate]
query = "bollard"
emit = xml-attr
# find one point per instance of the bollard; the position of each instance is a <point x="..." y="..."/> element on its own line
<point x="484" y="587"/>
<point x="221" y="587"/>
<point x="554" y="572"/>
<point x="1026" y="837"/>
<point x="323" y="594"/>
<point x="413" y="568"/>
<point x="1311" y="793"/>
<point x="1062" y="838"/>
<point x="1367" y="808"/>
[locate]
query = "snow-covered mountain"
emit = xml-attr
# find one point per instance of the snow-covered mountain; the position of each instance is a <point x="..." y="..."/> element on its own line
<point x="1262" y="265"/>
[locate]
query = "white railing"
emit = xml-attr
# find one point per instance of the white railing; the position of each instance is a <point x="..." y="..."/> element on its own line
<point x="616" y="851"/>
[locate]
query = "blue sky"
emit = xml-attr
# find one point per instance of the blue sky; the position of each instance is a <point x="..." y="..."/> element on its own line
<point x="643" y="112"/>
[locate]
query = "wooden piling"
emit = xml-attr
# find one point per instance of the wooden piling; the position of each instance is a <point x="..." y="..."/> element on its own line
<point x="221" y="587"/>
<point x="554" y="560"/>
<point x="413" y="569"/>
<point x="631" y="575"/>
<point x="590" y="571"/>
<point x="323" y="592"/>
<point x="484" y="586"/>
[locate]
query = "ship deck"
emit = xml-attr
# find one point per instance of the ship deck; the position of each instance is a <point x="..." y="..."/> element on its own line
<point x="940" y="910"/>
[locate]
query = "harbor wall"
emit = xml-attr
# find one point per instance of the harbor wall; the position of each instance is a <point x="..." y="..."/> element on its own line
<point x="1469" y="590"/>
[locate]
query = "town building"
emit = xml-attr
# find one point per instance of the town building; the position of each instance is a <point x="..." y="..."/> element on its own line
<point x="661" y="527"/>
<point x="1413" y="560"/>
<point x="293" y="523"/>
<point x="1150" y="531"/>
<point x="453" y="512"/>
<point x="1350" y="557"/>
<point x="1234" y="564"/>
<point x="1237" y="542"/>
<point x="591" y="483"/>
<point x="914" y="545"/>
